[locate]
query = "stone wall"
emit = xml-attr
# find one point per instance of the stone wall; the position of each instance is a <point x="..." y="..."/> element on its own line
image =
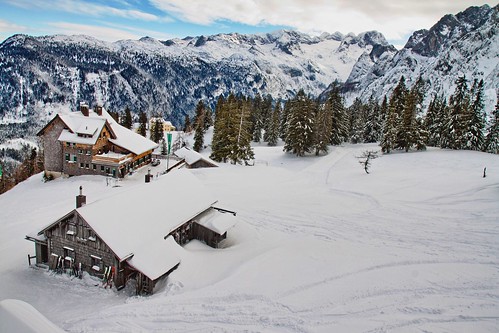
<point x="52" y="148"/>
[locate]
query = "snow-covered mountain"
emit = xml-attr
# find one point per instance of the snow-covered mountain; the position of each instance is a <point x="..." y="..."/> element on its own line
<point x="462" y="44"/>
<point x="41" y="74"/>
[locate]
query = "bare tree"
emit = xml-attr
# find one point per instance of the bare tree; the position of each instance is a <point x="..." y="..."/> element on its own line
<point x="366" y="158"/>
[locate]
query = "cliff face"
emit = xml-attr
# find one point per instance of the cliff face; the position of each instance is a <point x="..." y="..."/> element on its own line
<point x="457" y="45"/>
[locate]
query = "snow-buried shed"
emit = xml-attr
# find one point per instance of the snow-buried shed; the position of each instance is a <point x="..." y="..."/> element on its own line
<point x="135" y="234"/>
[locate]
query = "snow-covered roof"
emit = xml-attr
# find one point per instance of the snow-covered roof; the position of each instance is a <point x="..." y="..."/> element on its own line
<point x="137" y="221"/>
<point x="216" y="221"/>
<point x="156" y="259"/>
<point x="191" y="156"/>
<point x="128" y="139"/>
<point x="86" y="130"/>
<point x="21" y="317"/>
<point x="90" y="127"/>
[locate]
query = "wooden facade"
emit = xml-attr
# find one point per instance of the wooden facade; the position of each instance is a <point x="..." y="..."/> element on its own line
<point x="101" y="157"/>
<point x="71" y="243"/>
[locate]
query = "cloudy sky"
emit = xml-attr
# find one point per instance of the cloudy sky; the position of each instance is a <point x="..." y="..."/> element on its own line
<point x="112" y="20"/>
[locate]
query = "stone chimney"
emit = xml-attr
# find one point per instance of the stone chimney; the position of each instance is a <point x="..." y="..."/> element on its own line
<point x="98" y="110"/>
<point x="84" y="108"/>
<point x="81" y="199"/>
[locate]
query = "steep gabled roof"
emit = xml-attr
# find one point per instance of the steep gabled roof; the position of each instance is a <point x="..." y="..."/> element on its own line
<point x="89" y="127"/>
<point x="136" y="223"/>
<point x="146" y="213"/>
<point x="128" y="139"/>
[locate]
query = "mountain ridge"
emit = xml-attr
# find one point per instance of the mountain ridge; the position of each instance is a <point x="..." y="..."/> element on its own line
<point x="41" y="75"/>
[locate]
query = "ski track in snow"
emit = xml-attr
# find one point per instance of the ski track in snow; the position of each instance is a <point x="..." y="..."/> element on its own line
<point x="320" y="247"/>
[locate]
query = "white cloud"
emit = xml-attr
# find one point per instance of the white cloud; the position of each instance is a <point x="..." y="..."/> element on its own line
<point x="394" y="19"/>
<point x="107" y="32"/>
<point x="89" y="9"/>
<point x="6" y="26"/>
<point x="99" y="32"/>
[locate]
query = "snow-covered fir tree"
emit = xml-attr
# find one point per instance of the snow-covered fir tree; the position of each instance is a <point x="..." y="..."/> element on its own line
<point x="300" y="125"/>
<point x="187" y="124"/>
<point x="241" y="151"/>
<point x="492" y="139"/>
<point x="322" y="130"/>
<point x="374" y="122"/>
<point x="434" y="121"/>
<point x="396" y="107"/>
<point x="232" y="133"/>
<point x="272" y="134"/>
<point x="476" y="127"/>
<point x="142" y="130"/>
<point x="127" y="119"/>
<point x="410" y="130"/>
<point x="357" y="116"/>
<point x="199" y="126"/>
<point x="335" y="107"/>
<point x="458" y="117"/>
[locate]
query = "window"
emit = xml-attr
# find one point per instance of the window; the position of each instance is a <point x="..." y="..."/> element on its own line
<point x="74" y="158"/>
<point x="89" y="152"/>
<point x="80" y="151"/>
<point x="96" y="262"/>
<point x="82" y="165"/>
<point x="71" y="230"/>
<point x="87" y="166"/>
<point x="102" y="168"/>
<point x="108" y="170"/>
<point x="91" y="235"/>
<point x="69" y="253"/>
<point x="67" y="156"/>
<point x="94" y="167"/>
<point x="68" y="144"/>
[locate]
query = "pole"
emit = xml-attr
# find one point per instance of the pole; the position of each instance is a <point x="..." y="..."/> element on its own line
<point x="169" y="137"/>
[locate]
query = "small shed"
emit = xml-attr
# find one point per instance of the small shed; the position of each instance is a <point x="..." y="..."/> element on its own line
<point x="193" y="159"/>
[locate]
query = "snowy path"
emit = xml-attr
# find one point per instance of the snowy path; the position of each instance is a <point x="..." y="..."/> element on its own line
<point x="321" y="247"/>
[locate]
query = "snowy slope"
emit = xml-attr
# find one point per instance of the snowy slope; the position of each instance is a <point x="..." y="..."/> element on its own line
<point x="320" y="246"/>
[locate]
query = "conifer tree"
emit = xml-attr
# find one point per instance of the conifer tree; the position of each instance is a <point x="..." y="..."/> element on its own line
<point x="492" y="139"/>
<point x="396" y="106"/>
<point x="232" y="133"/>
<point x="322" y="130"/>
<point x="373" y="127"/>
<point x="220" y="142"/>
<point x="164" y="148"/>
<point x="335" y="107"/>
<point x="241" y="151"/>
<point x="300" y="125"/>
<point x="142" y="130"/>
<point x="410" y="132"/>
<point x="187" y="124"/>
<point x="199" y="126"/>
<point x="477" y="118"/>
<point x="272" y="134"/>
<point x="434" y="120"/>
<point x="357" y="121"/>
<point x="266" y="115"/>
<point x="458" y="116"/>
<point x="257" y="118"/>
<point x="127" y="119"/>
<point x="283" y="127"/>
<point x="156" y="130"/>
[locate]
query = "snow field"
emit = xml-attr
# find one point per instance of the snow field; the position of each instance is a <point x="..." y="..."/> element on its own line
<point x="320" y="246"/>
